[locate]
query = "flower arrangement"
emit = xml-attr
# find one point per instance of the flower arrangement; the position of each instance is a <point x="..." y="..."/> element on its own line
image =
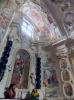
<point x="35" y="94"/>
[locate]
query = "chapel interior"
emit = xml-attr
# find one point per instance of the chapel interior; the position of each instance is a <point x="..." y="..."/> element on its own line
<point x="37" y="48"/>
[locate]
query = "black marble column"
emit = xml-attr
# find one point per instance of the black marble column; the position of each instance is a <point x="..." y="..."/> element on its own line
<point x="4" y="58"/>
<point x="38" y="72"/>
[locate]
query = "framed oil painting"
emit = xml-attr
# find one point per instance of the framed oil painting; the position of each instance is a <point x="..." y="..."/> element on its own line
<point x="50" y="82"/>
<point x="21" y="69"/>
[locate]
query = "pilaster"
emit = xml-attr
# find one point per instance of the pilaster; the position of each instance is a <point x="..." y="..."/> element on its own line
<point x="66" y="75"/>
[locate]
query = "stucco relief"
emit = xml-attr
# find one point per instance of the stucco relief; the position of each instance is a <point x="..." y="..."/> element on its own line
<point x="3" y="25"/>
<point x="69" y="22"/>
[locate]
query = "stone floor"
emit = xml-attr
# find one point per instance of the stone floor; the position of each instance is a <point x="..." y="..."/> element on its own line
<point x="58" y="99"/>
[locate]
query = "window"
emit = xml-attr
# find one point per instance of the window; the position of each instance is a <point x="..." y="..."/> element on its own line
<point x="27" y="28"/>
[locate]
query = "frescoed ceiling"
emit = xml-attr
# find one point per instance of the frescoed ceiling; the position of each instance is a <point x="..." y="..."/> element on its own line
<point x="52" y="18"/>
<point x="47" y="26"/>
<point x="62" y="11"/>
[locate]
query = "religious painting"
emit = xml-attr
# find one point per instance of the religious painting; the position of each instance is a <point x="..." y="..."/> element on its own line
<point x="34" y="12"/>
<point x="21" y="69"/>
<point x="50" y="78"/>
<point x="68" y="89"/>
<point x="50" y="82"/>
<point x="36" y="17"/>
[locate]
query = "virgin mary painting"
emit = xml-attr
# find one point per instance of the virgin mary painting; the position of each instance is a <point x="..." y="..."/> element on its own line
<point x="21" y="69"/>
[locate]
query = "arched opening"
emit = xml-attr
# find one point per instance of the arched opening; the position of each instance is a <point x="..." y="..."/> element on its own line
<point x="21" y="69"/>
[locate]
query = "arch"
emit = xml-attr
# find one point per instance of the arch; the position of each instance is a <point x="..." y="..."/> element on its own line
<point x="21" y="69"/>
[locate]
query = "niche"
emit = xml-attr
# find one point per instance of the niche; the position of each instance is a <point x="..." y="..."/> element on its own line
<point x="21" y="69"/>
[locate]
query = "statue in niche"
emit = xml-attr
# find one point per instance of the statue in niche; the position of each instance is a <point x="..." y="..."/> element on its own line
<point x="21" y="70"/>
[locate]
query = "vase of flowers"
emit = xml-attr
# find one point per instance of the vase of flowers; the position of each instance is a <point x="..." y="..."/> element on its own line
<point x="35" y="94"/>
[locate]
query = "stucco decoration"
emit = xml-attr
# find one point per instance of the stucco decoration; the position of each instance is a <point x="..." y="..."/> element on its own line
<point x="43" y="22"/>
<point x="3" y="25"/>
<point x="33" y="77"/>
<point x="9" y="9"/>
<point x="64" y="5"/>
<point x="68" y="89"/>
<point x="69" y="22"/>
<point x="48" y="30"/>
<point x="34" y="12"/>
<point x="65" y="75"/>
